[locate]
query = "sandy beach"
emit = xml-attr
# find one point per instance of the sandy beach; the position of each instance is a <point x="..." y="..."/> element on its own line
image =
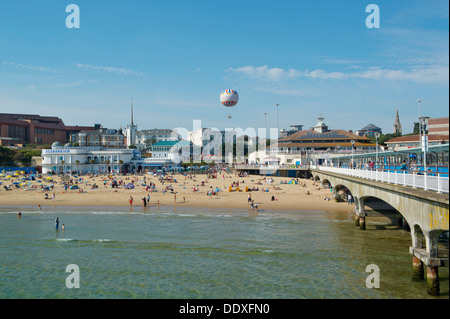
<point x="305" y="195"/>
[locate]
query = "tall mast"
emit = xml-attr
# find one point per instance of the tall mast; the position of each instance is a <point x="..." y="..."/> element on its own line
<point x="131" y="111"/>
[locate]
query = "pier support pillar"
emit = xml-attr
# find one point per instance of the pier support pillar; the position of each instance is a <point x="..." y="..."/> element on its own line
<point x="418" y="272"/>
<point x="356" y="220"/>
<point x="362" y="222"/>
<point x="433" y="281"/>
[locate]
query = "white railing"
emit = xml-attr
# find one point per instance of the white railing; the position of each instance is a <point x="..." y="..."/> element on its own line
<point x="433" y="181"/>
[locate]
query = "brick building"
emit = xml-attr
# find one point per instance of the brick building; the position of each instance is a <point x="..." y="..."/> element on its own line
<point x="21" y="129"/>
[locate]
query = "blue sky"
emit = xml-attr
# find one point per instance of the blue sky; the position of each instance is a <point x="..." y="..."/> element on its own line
<point x="175" y="57"/>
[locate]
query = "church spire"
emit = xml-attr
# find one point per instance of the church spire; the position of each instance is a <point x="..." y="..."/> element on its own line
<point x="132" y="111"/>
<point x="397" y="124"/>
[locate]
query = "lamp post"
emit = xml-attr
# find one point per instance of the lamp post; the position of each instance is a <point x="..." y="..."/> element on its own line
<point x="377" y="135"/>
<point x="265" y="124"/>
<point x="423" y="121"/>
<point x="337" y="151"/>
<point x="278" y="127"/>
<point x="420" y="125"/>
<point x="353" y="146"/>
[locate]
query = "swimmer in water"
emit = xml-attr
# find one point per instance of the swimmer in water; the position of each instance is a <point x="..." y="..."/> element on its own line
<point x="57" y="223"/>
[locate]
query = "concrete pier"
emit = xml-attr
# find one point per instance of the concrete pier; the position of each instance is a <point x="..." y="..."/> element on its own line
<point x="433" y="281"/>
<point x="356" y="220"/>
<point x="362" y="222"/>
<point x="421" y="259"/>
<point x="418" y="272"/>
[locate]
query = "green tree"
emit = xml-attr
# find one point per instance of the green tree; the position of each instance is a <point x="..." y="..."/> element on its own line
<point x="384" y="138"/>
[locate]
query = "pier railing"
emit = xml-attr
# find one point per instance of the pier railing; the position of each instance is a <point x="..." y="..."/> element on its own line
<point x="427" y="181"/>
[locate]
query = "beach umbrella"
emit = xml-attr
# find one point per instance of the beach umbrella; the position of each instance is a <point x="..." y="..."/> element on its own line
<point x="9" y="176"/>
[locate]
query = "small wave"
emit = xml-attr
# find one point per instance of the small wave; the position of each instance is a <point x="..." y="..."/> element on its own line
<point x="103" y="240"/>
<point x="65" y="240"/>
<point x="267" y="251"/>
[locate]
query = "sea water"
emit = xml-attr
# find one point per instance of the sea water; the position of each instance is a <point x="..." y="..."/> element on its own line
<point x="192" y="253"/>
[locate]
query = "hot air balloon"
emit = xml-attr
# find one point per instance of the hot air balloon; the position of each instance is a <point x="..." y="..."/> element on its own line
<point x="229" y="98"/>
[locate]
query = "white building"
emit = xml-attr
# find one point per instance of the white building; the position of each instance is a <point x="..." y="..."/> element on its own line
<point x="102" y="137"/>
<point x="146" y="138"/>
<point x="204" y="136"/>
<point x="65" y="159"/>
<point x="174" y="152"/>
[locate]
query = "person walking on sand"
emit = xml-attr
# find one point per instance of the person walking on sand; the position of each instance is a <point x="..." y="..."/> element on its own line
<point x="350" y="199"/>
<point x="249" y="200"/>
<point x="53" y="197"/>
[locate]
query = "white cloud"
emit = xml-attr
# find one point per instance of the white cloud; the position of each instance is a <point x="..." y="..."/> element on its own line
<point x="420" y="74"/>
<point x="74" y="84"/>
<point x="28" y="67"/>
<point x="261" y="72"/>
<point x="109" y="69"/>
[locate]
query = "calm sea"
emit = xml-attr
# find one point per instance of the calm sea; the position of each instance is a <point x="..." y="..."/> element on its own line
<point x="192" y="253"/>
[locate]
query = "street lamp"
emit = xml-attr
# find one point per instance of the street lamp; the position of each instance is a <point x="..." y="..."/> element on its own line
<point x="353" y="146"/>
<point x="337" y="151"/>
<point x="265" y="124"/>
<point x="420" y="126"/>
<point x="278" y="127"/>
<point x="423" y="121"/>
<point x="377" y="135"/>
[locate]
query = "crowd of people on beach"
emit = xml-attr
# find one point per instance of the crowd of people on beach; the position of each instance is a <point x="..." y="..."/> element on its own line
<point x="152" y="182"/>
